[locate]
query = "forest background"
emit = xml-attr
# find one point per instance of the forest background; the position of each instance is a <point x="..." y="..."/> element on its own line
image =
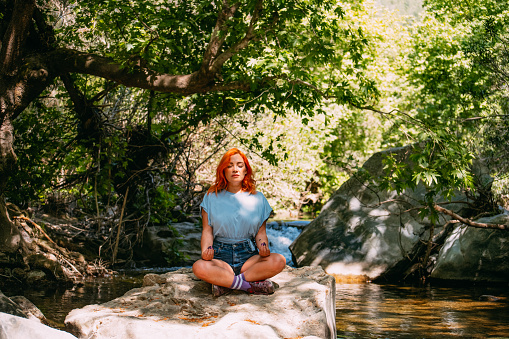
<point x="307" y="89"/>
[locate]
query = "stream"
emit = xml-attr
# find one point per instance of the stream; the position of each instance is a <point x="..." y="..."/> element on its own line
<point x="362" y="310"/>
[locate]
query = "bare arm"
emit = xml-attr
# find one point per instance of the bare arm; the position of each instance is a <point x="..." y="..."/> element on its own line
<point x="262" y="242"/>
<point x="207" y="238"/>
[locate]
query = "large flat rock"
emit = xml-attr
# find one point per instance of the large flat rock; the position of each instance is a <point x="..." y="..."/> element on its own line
<point x="179" y="305"/>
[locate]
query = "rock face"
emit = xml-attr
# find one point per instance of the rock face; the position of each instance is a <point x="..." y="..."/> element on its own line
<point x="362" y="230"/>
<point x="31" y="311"/>
<point x="178" y="304"/>
<point x="475" y="254"/>
<point x="159" y="243"/>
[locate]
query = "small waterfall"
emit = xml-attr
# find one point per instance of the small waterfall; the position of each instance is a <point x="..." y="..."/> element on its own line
<point x="281" y="235"/>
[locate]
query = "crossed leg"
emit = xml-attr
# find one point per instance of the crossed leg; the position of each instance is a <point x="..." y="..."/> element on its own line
<point x="259" y="268"/>
<point x="215" y="271"/>
<point x="256" y="268"/>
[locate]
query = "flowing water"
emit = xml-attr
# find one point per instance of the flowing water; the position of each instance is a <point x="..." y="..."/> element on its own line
<point x="362" y="310"/>
<point x="389" y="311"/>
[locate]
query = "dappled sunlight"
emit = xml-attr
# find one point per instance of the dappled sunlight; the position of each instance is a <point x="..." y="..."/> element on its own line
<point x="375" y="247"/>
<point x="301" y="300"/>
<point x="353" y="268"/>
<point x="354" y="221"/>
<point x="248" y="203"/>
<point x="355" y="204"/>
<point x="379" y="214"/>
<point x="455" y="236"/>
<point x="320" y="256"/>
<point x="410" y="230"/>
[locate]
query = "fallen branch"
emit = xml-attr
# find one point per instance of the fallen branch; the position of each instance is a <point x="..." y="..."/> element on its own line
<point x="60" y="254"/>
<point x="413" y="265"/>
<point x="71" y="265"/>
<point x="38" y="227"/>
<point x="468" y="221"/>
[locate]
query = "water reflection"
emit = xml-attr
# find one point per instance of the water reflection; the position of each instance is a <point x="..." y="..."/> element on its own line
<point x="56" y="302"/>
<point x="388" y="311"/>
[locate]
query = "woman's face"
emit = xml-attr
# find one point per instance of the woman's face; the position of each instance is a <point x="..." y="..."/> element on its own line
<point x="236" y="170"/>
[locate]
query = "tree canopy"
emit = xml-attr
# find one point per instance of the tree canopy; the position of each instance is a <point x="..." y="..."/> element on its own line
<point x="129" y="83"/>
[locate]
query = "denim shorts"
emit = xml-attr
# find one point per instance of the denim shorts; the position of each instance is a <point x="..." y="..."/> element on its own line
<point x="234" y="254"/>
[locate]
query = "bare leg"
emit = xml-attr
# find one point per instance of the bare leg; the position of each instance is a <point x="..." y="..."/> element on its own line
<point x="259" y="268"/>
<point x="214" y="271"/>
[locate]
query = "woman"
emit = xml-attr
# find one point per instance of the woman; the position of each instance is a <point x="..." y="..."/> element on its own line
<point x="234" y="244"/>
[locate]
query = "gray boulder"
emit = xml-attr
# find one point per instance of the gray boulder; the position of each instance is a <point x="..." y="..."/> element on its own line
<point x="363" y="230"/>
<point x="21" y="307"/>
<point x="178" y="304"/>
<point x="475" y="254"/>
<point x="31" y="311"/>
<point x="7" y="305"/>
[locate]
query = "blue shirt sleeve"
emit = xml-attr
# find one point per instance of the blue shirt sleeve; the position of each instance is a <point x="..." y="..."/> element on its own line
<point x="266" y="209"/>
<point x="205" y="204"/>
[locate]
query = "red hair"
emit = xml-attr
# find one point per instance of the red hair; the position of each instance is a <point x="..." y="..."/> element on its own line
<point x="248" y="184"/>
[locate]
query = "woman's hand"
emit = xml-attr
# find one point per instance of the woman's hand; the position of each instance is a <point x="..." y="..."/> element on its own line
<point x="208" y="254"/>
<point x="264" y="250"/>
<point x="262" y="242"/>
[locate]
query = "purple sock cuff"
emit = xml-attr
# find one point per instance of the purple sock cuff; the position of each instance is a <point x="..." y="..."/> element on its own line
<point x="239" y="283"/>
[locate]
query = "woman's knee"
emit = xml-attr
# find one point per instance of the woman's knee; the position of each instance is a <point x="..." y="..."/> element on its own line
<point x="278" y="262"/>
<point x="199" y="268"/>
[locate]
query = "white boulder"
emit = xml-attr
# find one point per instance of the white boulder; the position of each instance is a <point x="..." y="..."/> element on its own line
<point x="14" y="327"/>
<point x="178" y="304"/>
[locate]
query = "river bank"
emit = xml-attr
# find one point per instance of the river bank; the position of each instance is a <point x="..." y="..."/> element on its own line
<point x="364" y="310"/>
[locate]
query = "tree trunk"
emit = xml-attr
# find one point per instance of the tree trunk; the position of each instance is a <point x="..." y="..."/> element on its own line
<point x="22" y="79"/>
<point x="10" y="237"/>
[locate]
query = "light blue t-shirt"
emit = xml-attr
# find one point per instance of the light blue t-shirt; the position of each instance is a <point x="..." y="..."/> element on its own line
<point x="236" y="216"/>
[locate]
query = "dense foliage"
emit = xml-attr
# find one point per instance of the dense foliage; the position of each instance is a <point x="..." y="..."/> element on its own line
<point x="301" y="53"/>
<point x="458" y="92"/>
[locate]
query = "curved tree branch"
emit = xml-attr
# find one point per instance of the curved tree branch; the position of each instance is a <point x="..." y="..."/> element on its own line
<point x="469" y="222"/>
<point x="87" y="63"/>
<point x="73" y="61"/>
<point x="240" y="45"/>
<point x="219" y="35"/>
